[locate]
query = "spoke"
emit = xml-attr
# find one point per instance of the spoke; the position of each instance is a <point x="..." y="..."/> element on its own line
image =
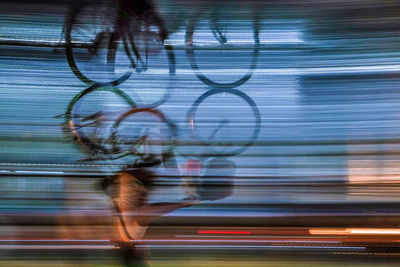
<point x="217" y="32"/>
<point x="86" y="125"/>
<point x="93" y="116"/>
<point x="223" y="122"/>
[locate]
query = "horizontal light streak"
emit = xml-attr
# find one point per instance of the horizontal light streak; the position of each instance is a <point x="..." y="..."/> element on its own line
<point x="355" y="231"/>
<point x="39" y="172"/>
<point x="224" y="232"/>
<point x="233" y="241"/>
<point x="244" y="247"/>
<point x="169" y="241"/>
<point x="284" y="71"/>
<point x="55" y="240"/>
<point x="306" y="70"/>
<point x="375" y="231"/>
<point x="57" y="247"/>
<point x="258" y="236"/>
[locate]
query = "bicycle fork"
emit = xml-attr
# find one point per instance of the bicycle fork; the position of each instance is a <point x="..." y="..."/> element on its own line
<point x="112" y="51"/>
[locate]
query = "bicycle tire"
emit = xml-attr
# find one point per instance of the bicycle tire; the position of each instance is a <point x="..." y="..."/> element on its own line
<point x="72" y="117"/>
<point x="132" y="126"/>
<point x="195" y="125"/>
<point x="73" y="24"/>
<point x="191" y="54"/>
<point x="147" y="83"/>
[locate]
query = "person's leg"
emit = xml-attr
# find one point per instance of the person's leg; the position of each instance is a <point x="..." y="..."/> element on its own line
<point x="131" y="256"/>
<point x="130" y="196"/>
<point x="135" y="214"/>
<point x="131" y="199"/>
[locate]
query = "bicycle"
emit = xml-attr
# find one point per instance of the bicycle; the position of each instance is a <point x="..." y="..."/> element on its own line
<point x="102" y="130"/>
<point x="94" y="56"/>
<point x="136" y="137"/>
<point x="228" y="131"/>
<point x="93" y="34"/>
<point x="220" y="34"/>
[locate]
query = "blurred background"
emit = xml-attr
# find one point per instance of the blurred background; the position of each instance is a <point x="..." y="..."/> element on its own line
<point x="306" y="173"/>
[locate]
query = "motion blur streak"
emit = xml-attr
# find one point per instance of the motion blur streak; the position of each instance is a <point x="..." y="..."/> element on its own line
<point x="224" y="232"/>
<point x="356" y="231"/>
<point x="267" y="133"/>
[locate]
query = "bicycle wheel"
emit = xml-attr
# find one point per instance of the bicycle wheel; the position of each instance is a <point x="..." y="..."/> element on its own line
<point x="223" y="52"/>
<point x="93" y="48"/>
<point x="144" y="137"/>
<point x="91" y="114"/>
<point x="225" y="121"/>
<point x="154" y="74"/>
